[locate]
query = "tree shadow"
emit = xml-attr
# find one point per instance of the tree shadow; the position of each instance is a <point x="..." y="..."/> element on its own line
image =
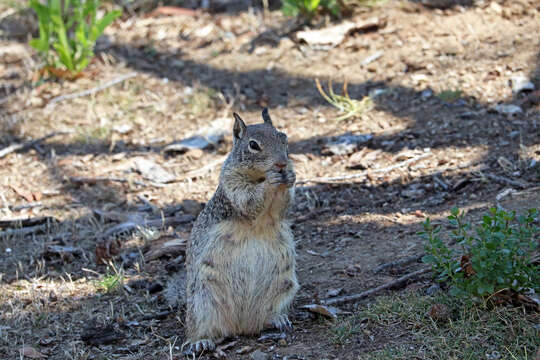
<point x="19" y="25"/>
<point x="434" y="124"/>
<point x="444" y="4"/>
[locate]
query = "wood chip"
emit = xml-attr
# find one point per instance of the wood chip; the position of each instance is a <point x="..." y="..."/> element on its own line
<point x="30" y="352"/>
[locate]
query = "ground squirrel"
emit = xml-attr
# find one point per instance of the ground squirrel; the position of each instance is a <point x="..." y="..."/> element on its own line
<point x="241" y="274"/>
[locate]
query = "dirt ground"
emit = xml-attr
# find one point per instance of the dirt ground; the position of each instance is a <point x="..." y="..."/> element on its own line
<point x="435" y="90"/>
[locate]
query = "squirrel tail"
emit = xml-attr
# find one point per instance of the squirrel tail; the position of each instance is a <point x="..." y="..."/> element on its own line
<point x="175" y="293"/>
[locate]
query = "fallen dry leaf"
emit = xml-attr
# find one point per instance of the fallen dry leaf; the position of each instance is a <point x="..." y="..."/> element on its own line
<point x="244" y="349"/>
<point x="439" y="312"/>
<point x="328" y="311"/>
<point x="334" y="35"/>
<point x="30" y="352"/>
<point x="172" y="247"/>
<point x="467" y="266"/>
<point x="37" y="196"/>
<point x="27" y="195"/>
<point x="106" y="249"/>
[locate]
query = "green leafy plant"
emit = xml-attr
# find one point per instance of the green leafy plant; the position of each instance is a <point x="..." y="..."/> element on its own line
<point x="449" y="95"/>
<point x="68" y="31"/>
<point x="113" y="280"/>
<point x="310" y="8"/>
<point x="496" y="257"/>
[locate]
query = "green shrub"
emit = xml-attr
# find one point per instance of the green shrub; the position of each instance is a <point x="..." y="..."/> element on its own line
<point x="496" y="257"/>
<point x="309" y="8"/>
<point x="68" y="31"/>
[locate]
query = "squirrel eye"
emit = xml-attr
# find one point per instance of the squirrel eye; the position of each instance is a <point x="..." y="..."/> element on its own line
<point x="254" y="146"/>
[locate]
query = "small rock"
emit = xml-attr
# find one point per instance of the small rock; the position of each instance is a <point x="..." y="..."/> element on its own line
<point x="433" y="289"/>
<point x="333" y="292"/>
<point x="122" y="128"/>
<point x="346" y="144"/>
<point x="192" y="207"/>
<point x="195" y="154"/>
<point x="521" y="83"/>
<point x="508" y="109"/>
<point x="496" y="8"/>
<point x="282" y="342"/>
<point x="377" y="92"/>
<point x="152" y="171"/>
<point x="259" y="355"/>
<point x="426" y="94"/>
<point x="494" y="355"/>
<point x="413" y="193"/>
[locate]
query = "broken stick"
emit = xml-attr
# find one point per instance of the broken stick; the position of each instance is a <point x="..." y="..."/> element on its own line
<point x="15" y="147"/>
<point x="133" y="224"/>
<point x="364" y="173"/>
<point x="503" y="180"/>
<point x="24" y="231"/>
<point x="91" y="91"/>
<point x="398" y="263"/>
<point x="19" y="223"/>
<point x="389" y="285"/>
<point x="92" y="181"/>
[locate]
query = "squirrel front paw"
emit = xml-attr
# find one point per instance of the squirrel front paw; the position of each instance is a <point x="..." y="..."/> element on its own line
<point x="285" y="177"/>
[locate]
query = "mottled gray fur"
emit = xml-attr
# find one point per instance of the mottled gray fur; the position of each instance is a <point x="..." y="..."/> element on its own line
<point x="241" y="269"/>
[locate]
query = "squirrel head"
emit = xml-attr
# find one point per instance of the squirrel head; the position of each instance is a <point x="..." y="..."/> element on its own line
<point x="259" y="147"/>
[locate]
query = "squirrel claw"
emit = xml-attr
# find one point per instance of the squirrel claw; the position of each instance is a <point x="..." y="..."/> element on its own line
<point x="199" y="346"/>
<point x="282" y="323"/>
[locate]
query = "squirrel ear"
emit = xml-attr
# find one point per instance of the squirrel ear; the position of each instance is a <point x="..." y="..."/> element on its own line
<point x="239" y="128"/>
<point x="266" y="117"/>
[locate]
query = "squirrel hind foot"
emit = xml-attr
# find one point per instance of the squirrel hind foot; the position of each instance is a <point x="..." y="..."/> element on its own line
<point x="282" y="323"/>
<point x="199" y="346"/>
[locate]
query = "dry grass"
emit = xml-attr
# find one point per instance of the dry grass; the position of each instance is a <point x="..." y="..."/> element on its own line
<point x="470" y="332"/>
<point x="185" y="81"/>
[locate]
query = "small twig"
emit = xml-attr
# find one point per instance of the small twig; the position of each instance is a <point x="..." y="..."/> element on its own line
<point x="24" y="231"/>
<point x="157" y="316"/>
<point x="147" y="203"/>
<point x="91" y="91"/>
<point x="392" y="284"/>
<point x="364" y="173"/>
<point x="131" y="225"/>
<point x="15" y="147"/>
<point x="19" y="223"/>
<point x="398" y="263"/>
<point x="31" y="205"/>
<point x="93" y="181"/>
<point x="503" y="180"/>
<point x="201" y="171"/>
<point x="441" y="182"/>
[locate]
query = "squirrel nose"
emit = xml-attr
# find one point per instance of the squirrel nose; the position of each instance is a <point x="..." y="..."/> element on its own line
<point x="280" y="166"/>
